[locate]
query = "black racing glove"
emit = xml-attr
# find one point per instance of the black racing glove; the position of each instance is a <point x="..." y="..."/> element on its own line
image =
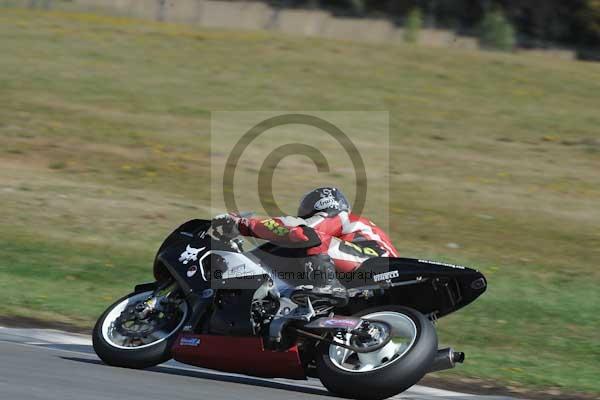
<point x="228" y="225"/>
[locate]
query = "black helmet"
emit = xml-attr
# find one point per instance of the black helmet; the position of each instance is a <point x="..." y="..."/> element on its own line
<point x="326" y="199"/>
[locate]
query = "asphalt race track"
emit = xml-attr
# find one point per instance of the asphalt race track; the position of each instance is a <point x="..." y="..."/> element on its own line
<point x="53" y="365"/>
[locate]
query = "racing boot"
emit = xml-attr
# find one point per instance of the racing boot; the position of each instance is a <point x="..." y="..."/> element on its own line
<point x="302" y="303"/>
<point x="323" y="288"/>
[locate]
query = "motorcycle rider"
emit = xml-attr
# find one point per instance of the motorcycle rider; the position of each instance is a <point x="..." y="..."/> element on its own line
<point x="347" y="240"/>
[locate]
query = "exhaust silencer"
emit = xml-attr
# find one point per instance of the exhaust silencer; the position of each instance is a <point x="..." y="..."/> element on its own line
<point x="446" y="358"/>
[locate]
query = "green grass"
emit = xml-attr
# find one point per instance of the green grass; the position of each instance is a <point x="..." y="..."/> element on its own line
<point x="60" y="280"/>
<point x="104" y="147"/>
<point x="535" y="332"/>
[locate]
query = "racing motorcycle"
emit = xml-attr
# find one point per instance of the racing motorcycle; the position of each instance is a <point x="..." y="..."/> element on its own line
<point x="216" y="305"/>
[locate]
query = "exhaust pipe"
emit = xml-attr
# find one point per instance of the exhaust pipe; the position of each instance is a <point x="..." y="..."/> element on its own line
<point x="445" y="359"/>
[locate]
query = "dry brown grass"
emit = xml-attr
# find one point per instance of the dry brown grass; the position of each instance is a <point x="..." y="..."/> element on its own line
<point x="104" y="146"/>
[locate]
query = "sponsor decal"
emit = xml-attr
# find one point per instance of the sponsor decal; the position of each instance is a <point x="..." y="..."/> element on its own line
<point x="275" y="227"/>
<point x="189" y="341"/>
<point x="356" y="250"/>
<point x="192" y="271"/>
<point x="327" y="202"/>
<point x="442" y="264"/>
<point x="386" y="276"/>
<point x="206" y="293"/>
<point x="190" y="254"/>
<point x="327" y="192"/>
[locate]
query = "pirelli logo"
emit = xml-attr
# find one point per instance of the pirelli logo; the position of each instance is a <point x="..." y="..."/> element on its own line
<point x="386" y="276"/>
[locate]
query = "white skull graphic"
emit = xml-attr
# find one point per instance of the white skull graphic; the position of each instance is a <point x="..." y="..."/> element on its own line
<point x="190" y="254"/>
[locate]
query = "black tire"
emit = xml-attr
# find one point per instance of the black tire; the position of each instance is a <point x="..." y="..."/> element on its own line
<point x="130" y="358"/>
<point x="389" y="380"/>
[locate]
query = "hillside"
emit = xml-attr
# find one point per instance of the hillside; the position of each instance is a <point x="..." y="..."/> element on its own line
<point x="104" y="142"/>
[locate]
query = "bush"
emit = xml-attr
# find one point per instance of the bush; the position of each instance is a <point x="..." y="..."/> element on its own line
<point x="358" y="6"/>
<point x="413" y="26"/>
<point x="496" y="32"/>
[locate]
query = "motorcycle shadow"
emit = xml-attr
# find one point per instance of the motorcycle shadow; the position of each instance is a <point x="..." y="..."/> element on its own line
<point x="220" y="377"/>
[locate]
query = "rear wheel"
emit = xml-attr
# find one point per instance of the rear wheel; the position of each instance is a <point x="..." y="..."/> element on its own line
<point x="138" y="330"/>
<point x="387" y="370"/>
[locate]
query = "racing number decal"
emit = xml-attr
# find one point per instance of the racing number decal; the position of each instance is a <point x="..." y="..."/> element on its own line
<point x="275" y="227"/>
<point x="355" y="249"/>
<point x="369" y="251"/>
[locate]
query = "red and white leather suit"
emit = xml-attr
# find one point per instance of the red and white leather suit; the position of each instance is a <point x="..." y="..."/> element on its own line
<point x="346" y="238"/>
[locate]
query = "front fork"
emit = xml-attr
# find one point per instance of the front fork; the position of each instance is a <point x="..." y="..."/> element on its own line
<point x="161" y="293"/>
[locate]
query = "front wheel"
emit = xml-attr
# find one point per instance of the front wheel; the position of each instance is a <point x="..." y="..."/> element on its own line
<point x="387" y="370"/>
<point x="138" y="330"/>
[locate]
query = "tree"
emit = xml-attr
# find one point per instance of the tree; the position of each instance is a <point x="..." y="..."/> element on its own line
<point x="589" y="17"/>
<point x="412" y="27"/>
<point x="496" y="32"/>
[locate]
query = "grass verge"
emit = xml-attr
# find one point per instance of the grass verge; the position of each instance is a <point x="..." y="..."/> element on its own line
<point x="104" y="147"/>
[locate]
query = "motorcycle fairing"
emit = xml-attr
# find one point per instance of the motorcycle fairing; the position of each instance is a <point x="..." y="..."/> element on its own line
<point x="189" y="274"/>
<point x="197" y="263"/>
<point x="189" y="232"/>
<point x="242" y="355"/>
<point x="428" y="286"/>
